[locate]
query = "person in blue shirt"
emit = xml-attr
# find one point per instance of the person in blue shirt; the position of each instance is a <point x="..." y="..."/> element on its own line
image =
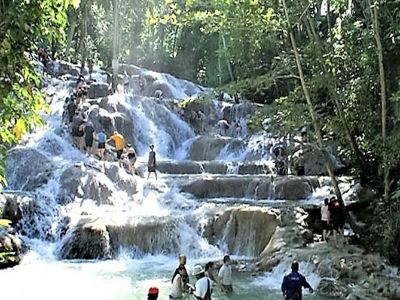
<point x="101" y="147"/>
<point x="293" y="283"/>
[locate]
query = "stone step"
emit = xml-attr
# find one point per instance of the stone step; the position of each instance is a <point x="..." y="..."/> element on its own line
<point x="251" y="187"/>
<point x="213" y="167"/>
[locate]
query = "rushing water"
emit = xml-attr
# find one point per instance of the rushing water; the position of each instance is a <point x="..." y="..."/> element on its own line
<point x="41" y="275"/>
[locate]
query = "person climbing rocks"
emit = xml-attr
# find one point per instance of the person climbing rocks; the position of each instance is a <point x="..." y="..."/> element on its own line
<point x="209" y="271"/>
<point x="337" y="213"/>
<point x="89" y="137"/>
<point x="152" y="294"/>
<point x="77" y="130"/>
<point x="203" y="287"/>
<point x="90" y="64"/>
<point x="203" y="121"/>
<point x="325" y="220"/>
<point x="177" y="283"/>
<point x="151" y="163"/>
<point x="125" y="82"/>
<point x="225" y="275"/>
<point x="185" y="275"/>
<point x="299" y="163"/>
<point x="222" y="126"/>
<point x="71" y="109"/>
<point x="119" y="145"/>
<point x="101" y="144"/>
<point x="131" y="155"/>
<point x="292" y="284"/>
<point x="158" y="94"/>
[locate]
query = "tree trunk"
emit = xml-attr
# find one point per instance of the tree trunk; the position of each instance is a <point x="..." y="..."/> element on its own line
<point x="115" y="39"/>
<point x="382" y="80"/>
<point x="70" y="36"/>
<point x="228" y="64"/>
<point x="219" y="61"/>
<point x="311" y="108"/>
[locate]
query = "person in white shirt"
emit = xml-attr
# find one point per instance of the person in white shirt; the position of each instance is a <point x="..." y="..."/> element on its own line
<point x="177" y="283"/>
<point x="225" y="275"/>
<point x="326" y="228"/>
<point x="203" y="287"/>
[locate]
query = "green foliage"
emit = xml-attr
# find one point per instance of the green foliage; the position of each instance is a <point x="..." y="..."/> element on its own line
<point x="24" y="24"/>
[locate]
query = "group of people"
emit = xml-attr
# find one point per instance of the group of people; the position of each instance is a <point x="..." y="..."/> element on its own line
<point x="333" y="218"/>
<point x="205" y="279"/>
<point x="84" y="133"/>
<point x="291" y="287"/>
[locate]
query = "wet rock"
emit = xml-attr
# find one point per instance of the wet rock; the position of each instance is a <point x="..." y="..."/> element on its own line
<point x="124" y="181"/>
<point x="215" y="167"/>
<point x="246" y="231"/>
<point x="98" y="90"/>
<point x="332" y="289"/>
<point x="251" y="168"/>
<point x="84" y="182"/>
<point x="27" y="169"/>
<point x="295" y="188"/>
<point x="12" y="210"/>
<point x="12" y="248"/>
<point x="68" y="68"/>
<point x="235" y="187"/>
<point x="207" y="148"/>
<point x="89" y="239"/>
<point x="179" y="167"/>
<point x="147" y="236"/>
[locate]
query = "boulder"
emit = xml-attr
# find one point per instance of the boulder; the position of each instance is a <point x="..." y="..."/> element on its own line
<point x="332" y="289"/>
<point x="145" y="236"/>
<point x="252" y="168"/>
<point x="85" y="182"/>
<point x="89" y="239"/>
<point x="98" y="90"/>
<point x="11" y="248"/>
<point x="245" y="231"/>
<point x="27" y="169"/>
<point x="123" y="181"/>
<point x="68" y="68"/>
<point x="295" y="188"/>
<point x="12" y="210"/>
<point x="207" y="147"/>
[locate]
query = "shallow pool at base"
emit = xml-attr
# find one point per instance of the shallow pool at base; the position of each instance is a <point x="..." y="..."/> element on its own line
<point x="124" y="279"/>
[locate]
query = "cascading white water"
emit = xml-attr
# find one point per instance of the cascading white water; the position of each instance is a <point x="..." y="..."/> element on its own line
<point x="143" y="260"/>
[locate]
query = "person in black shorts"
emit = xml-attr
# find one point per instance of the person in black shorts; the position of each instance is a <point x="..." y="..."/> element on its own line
<point x="89" y="137"/>
<point x="337" y="218"/>
<point x="151" y="164"/>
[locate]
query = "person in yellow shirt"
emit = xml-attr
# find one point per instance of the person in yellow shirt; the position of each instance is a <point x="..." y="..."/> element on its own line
<point x="119" y="145"/>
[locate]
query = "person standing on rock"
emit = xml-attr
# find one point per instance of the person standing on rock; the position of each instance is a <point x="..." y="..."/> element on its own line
<point x="119" y="145"/>
<point x="101" y="144"/>
<point x="337" y="218"/>
<point x="225" y="275"/>
<point x="151" y="164"/>
<point x="89" y="137"/>
<point x="152" y="294"/>
<point x="131" y="154"/>
<point x="325" y="220"/>
<point x="203" y="288"/>
<point x="293" y="283"/>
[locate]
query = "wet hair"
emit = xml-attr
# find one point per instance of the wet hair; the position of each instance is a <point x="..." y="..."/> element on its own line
<point x="226" y="258"/>
<point x="178" y="269"/>
<point x="295" y="266"/>
<point x="326" y="201"/>
<point x="209" y="265"/>
<point x="152" y="297"/>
